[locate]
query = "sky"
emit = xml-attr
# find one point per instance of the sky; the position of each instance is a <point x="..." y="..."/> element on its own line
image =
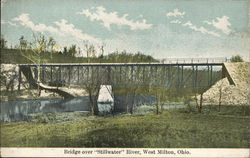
<point x="161" y="28"/>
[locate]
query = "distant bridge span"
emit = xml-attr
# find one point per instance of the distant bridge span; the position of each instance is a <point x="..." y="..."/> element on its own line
<point x="188" y="74"/>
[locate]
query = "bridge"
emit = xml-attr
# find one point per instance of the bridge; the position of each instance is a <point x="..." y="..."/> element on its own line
<point x="179" y="73"/>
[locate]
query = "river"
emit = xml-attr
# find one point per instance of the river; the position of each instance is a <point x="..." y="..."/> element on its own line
<point x="16" y="111"/>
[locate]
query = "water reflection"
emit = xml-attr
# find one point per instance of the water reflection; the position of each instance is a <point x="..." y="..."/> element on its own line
<point x="12" y="111"/>
<point x="124" y="102"/>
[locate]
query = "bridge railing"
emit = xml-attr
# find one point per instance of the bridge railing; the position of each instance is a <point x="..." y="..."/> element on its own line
<point x="193" y="60"/>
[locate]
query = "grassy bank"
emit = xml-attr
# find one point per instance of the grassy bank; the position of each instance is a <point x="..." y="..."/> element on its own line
<point x="175" y="128"/>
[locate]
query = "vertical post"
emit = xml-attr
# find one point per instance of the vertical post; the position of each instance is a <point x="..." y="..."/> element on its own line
<point x="196" y="76"/>
<point x="165" y="75"/>
<point x="112" y="74"/>
<point x="120" y="74"/>
<point x="109" y="75"/>
<point x="69" y="69"/>
<point x="181" y="76"/>
<point x="51" y="74"/>
<point x="169" y="75"/>
<point x="98" y="75"/>
<point x="208" y="76"/>
<point x="211" y="75"/>
<point x="156" y="75"/>
<point x="132" y="74"/>
<point x="28" y="79"/>
<point x="60" y="74"/>
<point x="117" y="74"/>
<point x="19" y="78"/>
<point x="36" y="73"/>
<point x="87" y="73"/>
<point x="178" y="77"/>
<point x="78" y="73"/>
<point x="103" y="75"/>
<point x="150" y="78"/>
<point x="92" y="73"/>
<point x="137" y="73"/>
<point x="193" y="72"/>
<point x="43" y="73"/>
<point x="143" y="75"/>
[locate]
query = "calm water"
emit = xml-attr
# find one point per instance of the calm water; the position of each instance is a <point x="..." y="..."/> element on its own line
<point x="15" y="111"/>
<point x="12" y="111"/>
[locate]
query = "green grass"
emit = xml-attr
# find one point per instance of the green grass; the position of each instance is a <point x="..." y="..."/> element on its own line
<point x="171" y="129"/>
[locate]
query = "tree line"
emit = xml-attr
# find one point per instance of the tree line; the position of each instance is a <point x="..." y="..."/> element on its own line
<point x="48" y="50"/>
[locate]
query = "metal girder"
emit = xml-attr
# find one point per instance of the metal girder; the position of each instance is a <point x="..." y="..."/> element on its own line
<point x="129" y="74"/>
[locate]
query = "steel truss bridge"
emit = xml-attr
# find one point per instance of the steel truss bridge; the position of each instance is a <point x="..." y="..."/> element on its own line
<point x="190" y="74"/>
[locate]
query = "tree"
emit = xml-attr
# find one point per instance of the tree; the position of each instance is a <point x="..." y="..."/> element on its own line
<point x="102" y="50"/>
<point x="92" y="85"/>
<point x="3" y="42"/>
<point x="158" y="100"/>
<point x="92" y="51"/>
<point x="236" y="58"/>
<point x="51" y="45"/>
<point x="38" y="46"/>
<point x="161" y="98"/>
<point x="199" y="101"/>
<point x="23" y="43"/>
<point x="72" y="50"/>
<point x="133" y="92"/>
<point x="187" y="98"/>
<point x="65" y="50"/>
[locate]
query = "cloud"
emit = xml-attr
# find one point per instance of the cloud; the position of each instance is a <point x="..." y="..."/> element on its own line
<point x="63" y="29"/>
<point x="25" y="21"/>
<point x="69" y="29"/>
<point x="100" y="14"/>
<point x="200" y="29"/>
<point x="222" y="24"/>
<point x="175" y="22"/>
<point x="175" y="13"/>
<point x="8" y="22"/>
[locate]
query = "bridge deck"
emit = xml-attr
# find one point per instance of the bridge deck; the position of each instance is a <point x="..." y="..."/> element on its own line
<point x="125" y="64"/>
<point x="168" y="72"/>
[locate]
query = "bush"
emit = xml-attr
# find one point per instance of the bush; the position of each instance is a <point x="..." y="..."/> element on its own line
<point x="236" y="58"/>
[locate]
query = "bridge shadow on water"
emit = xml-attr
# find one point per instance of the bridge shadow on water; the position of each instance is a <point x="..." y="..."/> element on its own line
<point x="21" y="110"/>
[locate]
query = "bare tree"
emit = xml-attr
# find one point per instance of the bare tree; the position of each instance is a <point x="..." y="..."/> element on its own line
<point x="38" y="46"/>
<point x="92" y="86"/>
<point x="220" y="94"/>
<point x="22" y="43"/>
<point x="199" y="102"/>
<point x="3" y="42"/>
<point x="133" y="92"/>
<point x="51" y="44"/>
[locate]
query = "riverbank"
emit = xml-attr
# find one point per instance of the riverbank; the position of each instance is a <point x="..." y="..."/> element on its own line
<point x="9" y="87"/>
<point x="228" y="128"/>
<point x="225" y="93"/>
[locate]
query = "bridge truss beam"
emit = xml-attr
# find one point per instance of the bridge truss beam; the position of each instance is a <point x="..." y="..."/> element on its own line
<point x="185" y="75"/>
